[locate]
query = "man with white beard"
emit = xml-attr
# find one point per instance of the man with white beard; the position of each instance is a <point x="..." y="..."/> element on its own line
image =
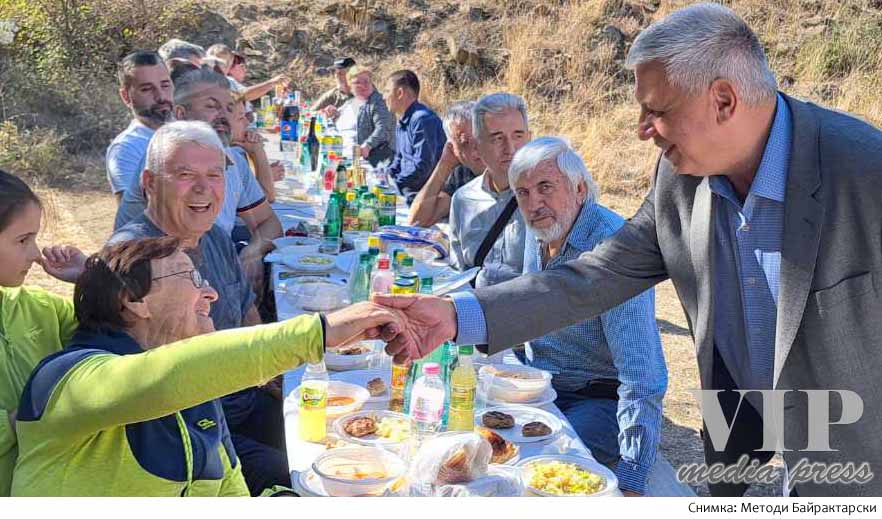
<point x="609" y="372"/>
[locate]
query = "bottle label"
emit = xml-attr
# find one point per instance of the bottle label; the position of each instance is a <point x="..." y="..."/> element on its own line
<point x="462" y="397"/>
<point x="399" y="376"/>
<point x="424" y="411"/>
<point x="313" y="397"/>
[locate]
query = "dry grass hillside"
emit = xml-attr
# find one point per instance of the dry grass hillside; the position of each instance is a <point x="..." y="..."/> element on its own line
<point x="59" y="110"/>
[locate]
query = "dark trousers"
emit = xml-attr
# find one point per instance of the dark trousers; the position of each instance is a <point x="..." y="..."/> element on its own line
<point x="746" y="436"/>
<point x="260" y="445"/>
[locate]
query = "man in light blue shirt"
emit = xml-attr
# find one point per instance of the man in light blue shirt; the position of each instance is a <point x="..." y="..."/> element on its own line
<point x="147" y="90"/>
<point x="609" y="371"/>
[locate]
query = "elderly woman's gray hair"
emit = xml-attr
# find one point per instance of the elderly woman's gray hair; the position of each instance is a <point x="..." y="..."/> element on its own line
<point x="175" y="48"/>
<point x="171" y="135"/>
<point x="496" y="104"/>
<point x="705" y="42"/>
<point x="559" y="150"/>
<point x="190" y="83"/>
<point x="459" y="112"/>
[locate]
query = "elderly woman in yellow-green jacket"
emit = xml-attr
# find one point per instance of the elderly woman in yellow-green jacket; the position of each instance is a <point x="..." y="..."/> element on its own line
<point x="33" y="322"/>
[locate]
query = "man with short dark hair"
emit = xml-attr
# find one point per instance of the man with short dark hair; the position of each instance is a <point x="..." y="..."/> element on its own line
<point x="147" y="90"/>
<point x="419" y="135"/>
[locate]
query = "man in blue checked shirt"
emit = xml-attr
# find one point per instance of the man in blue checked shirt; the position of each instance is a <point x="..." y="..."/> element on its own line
<point x="419" y="135"/>
<point x="609" y="371"/>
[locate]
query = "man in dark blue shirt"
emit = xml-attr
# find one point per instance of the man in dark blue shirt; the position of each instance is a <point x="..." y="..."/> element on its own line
<point x="419" y="136"/>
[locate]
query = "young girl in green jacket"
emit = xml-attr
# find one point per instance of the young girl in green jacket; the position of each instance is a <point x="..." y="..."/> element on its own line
<point x="33" y="322"/>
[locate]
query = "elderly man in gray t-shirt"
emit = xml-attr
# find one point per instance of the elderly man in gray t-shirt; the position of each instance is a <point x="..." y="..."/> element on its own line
<point x="185" y="163"/>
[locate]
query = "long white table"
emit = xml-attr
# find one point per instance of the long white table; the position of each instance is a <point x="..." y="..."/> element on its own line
<point x="301" y="454"/>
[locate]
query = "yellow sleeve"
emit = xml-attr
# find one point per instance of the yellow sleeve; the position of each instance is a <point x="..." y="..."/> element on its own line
<point x="105" y="391"/>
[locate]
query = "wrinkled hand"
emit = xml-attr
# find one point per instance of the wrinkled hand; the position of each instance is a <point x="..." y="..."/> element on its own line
<point x="251" y="142"/>
<point x="365" y="150"/>
<point x="282" y="81"/>
<point x="278" y="170"/>
<point x="330" y="111"/>
<point x="428" y="322"/>
<point x="63" y="262"/>
<point x="448" y="156"/>
<point x="359" y="322"/>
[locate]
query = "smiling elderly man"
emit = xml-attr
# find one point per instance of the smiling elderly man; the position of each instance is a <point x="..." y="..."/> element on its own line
<point x="185" y="186"/>
<point x="765" y="214"/>
<point x="204" y="95"/>
<point x="609" y="372"/>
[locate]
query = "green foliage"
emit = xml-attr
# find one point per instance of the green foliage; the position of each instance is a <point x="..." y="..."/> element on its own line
<point x="36" y="155"/>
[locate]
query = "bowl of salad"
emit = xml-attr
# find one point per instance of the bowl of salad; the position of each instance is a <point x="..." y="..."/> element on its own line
<point x="560" y="475"/>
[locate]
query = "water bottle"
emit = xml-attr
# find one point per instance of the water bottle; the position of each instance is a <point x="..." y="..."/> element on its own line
<point x="360" y="284"/>
<point x="427" y="401"/>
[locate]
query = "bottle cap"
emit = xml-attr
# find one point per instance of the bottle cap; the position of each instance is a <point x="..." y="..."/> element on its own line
<point x="350" y="196"/>
<point x="365" y="258"/>
<point x="466" y="349"/>
<point x="407" y="261"/>
<point x="431" y="368"/>
<point x="374" y="241"/>
<point x="383" y="263"/>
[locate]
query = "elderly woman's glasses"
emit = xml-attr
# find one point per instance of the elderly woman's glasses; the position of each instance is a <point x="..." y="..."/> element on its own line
<point x="195" y="277"/>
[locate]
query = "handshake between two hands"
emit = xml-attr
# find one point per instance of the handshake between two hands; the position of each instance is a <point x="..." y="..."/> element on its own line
<point x="411" y="325"/>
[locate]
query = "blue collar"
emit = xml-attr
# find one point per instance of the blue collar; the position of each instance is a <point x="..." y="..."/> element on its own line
<point x="120" y="343"/>
<point x="581" y="235"/>
<point x="770" y="181"/>
<point x="405" y="119"/>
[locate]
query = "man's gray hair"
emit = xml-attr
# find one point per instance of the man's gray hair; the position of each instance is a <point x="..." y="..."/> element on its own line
<point x="496" y="104"/>
<point x="175" y="48"/>
<point x="553" y="148"/>
<point x="188" y="84"/>
<point x="458" y="113"/>
<point x="171" y="135"/>
<point x="705" y="42"/>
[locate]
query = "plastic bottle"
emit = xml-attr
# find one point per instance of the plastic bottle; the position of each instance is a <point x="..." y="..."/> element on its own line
<point x="312" y="419"/>
<point x="382" y="278"/>
<point x="288" y="128"/>
<point x="426" y="285"/>
<point x="427" y="401"/>
<point x="333" y="226"/>
<point x="360" y="284"/>
<point x="463" y="385"/>
<point x="350" y="214"/>
<point x="368" y="218"/>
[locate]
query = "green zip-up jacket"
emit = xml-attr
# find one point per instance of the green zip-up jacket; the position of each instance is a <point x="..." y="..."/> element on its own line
<point x="104" y="418"/>
<point x="33" y="324"/>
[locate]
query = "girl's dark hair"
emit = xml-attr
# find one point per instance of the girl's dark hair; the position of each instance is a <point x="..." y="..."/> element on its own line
<point x="15" y="195"/>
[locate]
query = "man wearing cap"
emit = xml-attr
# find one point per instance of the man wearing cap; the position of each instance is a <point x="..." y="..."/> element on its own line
<point x="334" y="98"/>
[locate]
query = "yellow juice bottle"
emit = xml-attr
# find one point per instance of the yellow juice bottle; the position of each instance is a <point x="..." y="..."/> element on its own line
<point x="463" y="385"/>
<point x="312" y="417"/>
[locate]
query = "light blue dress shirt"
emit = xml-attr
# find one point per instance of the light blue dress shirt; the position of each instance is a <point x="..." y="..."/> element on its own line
<point x="747" y="261"/>
<point x="621" y="344"/>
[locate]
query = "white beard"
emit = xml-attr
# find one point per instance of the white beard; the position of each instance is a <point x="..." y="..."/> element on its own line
<point x="561" y="226"/>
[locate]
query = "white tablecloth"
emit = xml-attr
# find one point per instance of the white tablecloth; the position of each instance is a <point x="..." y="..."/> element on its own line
<point x="662" y="480"/>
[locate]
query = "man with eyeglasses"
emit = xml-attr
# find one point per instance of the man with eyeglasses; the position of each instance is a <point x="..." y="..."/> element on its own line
<point x="185" y="164"/>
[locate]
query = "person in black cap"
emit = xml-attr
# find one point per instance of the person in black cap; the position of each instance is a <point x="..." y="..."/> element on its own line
<point x="334" y="98"/>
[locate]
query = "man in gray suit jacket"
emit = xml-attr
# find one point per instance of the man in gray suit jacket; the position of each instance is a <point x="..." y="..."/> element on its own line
<point x="766" y="214"/>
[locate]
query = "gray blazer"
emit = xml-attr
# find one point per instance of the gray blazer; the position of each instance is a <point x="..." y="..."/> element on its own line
<point x="376" y="128"/>
<point x="829" y="328"/>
